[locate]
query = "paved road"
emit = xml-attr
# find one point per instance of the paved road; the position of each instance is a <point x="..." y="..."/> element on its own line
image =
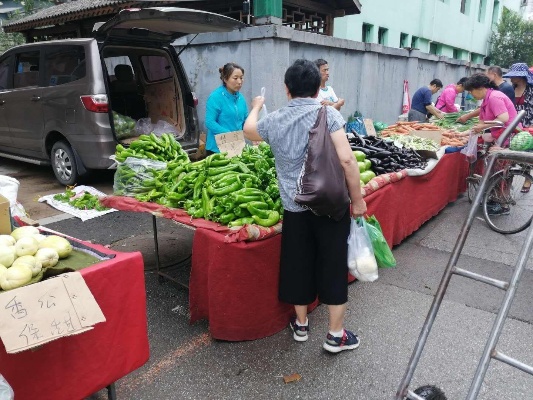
<point x="186" y="363"/>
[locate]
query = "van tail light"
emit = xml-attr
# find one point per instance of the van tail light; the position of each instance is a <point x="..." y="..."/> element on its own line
<point x="195" y="99"/>
<point x="95" y="103"/>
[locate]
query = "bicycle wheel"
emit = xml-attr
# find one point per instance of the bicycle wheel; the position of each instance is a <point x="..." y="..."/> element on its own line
<point x="472" y="182"/>
<point x="516" y="208"/>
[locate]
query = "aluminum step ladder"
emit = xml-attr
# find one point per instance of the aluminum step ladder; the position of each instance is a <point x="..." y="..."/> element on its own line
<point x="490" y="352"/>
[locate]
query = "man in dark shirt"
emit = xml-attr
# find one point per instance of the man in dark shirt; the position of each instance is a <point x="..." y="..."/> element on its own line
<point x="495" y="74"/>
<point x="421" y="104"/>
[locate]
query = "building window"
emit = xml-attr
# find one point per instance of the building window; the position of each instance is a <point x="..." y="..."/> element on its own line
<point x="367" y="33"/>
<point x="456" y="54"/>
<point x="465" y="6"/>
<point x="495" y="13"/>
<point x="414" y="42"/>
<point x="404" y="37"/>
<point x="382" y="36"/>
<point x="433" y="48"/>
<point x="481" y="11"/>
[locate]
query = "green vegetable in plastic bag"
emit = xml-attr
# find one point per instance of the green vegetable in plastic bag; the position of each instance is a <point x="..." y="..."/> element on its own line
<point x="382" y="251"/>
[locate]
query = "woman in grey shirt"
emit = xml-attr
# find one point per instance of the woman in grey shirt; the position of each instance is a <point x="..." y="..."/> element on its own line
<point x="314" y="248"/>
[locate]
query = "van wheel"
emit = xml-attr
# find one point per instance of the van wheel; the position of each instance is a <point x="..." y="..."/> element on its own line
<point x="64" y="163"/>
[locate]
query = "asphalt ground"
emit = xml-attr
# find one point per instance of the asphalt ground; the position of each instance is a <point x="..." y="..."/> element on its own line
<point x="186" y="363"/>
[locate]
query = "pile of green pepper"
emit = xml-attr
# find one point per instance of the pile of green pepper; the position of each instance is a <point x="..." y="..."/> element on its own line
<point x="85" y="201"/>
<point x="164" y="148"/>
<point x="232" y="191"/>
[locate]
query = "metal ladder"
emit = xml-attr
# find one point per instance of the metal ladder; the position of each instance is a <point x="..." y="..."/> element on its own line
<point x="490" y="351"/>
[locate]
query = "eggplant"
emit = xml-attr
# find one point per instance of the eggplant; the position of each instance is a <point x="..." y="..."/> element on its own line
<point x="381" y="154"/>
<point x="379" y="170"/>
<point x="362" y="149"/>
<point x="358" y="140"/>
<point x="375" y="161"/>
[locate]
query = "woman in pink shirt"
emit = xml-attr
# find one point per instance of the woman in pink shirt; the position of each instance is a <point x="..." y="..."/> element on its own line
<point x="446" y="101"/>
<point x="496" y="106"/>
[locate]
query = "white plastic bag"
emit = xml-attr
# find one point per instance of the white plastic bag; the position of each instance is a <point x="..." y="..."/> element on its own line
<point x="9" y="188"/>
<point x="361" y="260"/>
<point x="144" y="126"/>
<point x="6" y="392"/>
<point x="263" y="113"/>
<point x="470" y="150"/>
<point x="162" y="126"/>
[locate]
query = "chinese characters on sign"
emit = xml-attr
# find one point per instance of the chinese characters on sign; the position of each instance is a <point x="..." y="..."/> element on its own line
<point x="36" y="314"/>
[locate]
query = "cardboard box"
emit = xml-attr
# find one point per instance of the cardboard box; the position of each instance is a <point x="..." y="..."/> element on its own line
<point x="5" y="216"/>
<point x="369" y="126"/>
<point x="435" y="135"/>
<point x="201" y="152"/>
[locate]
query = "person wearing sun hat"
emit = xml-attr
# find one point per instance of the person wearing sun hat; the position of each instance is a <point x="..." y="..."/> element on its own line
<point x="522" y="80"/>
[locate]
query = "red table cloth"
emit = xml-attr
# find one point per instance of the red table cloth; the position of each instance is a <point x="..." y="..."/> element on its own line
<point x="235" y="285"/>
<point x="75" y="367"/>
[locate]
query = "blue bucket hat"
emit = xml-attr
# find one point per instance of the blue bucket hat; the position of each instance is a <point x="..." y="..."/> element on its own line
<point x="520" y="70"/>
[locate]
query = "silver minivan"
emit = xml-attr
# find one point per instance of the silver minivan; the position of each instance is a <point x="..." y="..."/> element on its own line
<point x="57" y="98"/>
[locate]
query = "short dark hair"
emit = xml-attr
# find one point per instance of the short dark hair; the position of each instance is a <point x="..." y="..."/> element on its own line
<point x="462" y="81"/>
<point x="478" y="81"/>
<point x="302" y="78"/>
<point x="319" y="62"/>
<point x="495" y="70"/>
<point x="436" y="82"/>
<point x="227" y="70"/>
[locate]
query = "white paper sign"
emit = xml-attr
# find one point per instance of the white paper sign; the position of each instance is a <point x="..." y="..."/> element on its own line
<point x="39" y="313"/>
<point x="231" y="142"/>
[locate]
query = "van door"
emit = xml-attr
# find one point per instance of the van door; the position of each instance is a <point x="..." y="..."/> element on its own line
<point x="5" y="73"/>
<point x="22" y="105"/>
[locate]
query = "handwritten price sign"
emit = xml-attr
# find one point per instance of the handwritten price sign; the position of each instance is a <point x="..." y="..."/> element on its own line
<point x="36" y="314"/>
<point x="230" y="142"/>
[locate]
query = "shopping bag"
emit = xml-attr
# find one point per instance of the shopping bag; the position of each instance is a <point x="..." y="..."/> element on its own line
<point x="470" y="150"/>
<point x="321" y="185"/>
<point x="382" y="251"/>
<point x="361" y="261"/>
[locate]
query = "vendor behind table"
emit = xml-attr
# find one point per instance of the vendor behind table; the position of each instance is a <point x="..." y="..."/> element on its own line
<point x="422" y="106"/>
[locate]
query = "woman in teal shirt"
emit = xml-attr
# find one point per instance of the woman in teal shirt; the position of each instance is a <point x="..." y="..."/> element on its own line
<point x="226" y="108"/>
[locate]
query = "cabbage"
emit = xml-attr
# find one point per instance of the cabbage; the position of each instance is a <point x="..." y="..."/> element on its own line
<point x="29" y="261"/>
<point x="58" y="243"/>
<point x="24" y="231"/>
<point x="26" y="246"/>
<point x="47" y="256"/>
<point x="15" y="277"/>
<point x="7" y="255"/>
<point x="522" y="141"/>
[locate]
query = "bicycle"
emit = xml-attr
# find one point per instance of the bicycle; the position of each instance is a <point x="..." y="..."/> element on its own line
<point x="506" y="209"/>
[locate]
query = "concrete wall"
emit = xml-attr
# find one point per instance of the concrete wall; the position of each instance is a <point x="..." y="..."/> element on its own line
<point x="369" y="76"/>
<point x="431" y="21"/>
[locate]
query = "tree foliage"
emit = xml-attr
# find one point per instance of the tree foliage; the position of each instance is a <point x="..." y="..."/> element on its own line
<point x="8" y="40"/>
<point x="512" y="41"/>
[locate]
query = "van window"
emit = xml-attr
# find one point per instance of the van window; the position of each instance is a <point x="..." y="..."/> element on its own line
<point x="26" y="69"/>
<point x="64" y="64"/>
<point x="4" y="72"/>
<point x="156" y="68"/>
<point x="112" y="62"/>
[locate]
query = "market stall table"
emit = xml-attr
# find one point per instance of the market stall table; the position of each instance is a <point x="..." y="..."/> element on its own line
<point x="75" y="367"/>
<point x="234" y="283"/>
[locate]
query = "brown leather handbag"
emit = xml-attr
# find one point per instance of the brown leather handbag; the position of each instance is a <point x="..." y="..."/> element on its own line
<point x="321" y="186"/>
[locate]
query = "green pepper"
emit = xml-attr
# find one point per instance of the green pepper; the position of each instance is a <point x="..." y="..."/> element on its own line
<point x="226" y="218"/>
<point x="179" y="196"/>
<point x="250" y="192"/>
<point x="220" y="170"/>
<point x="206" y="204"/>
<point x="191" y="176"/>
<point x="241" y="199"/>
<point x="198" y="213"/>
<point x="254" y="208"/>
<point x="227" y="189"/>
<point x="241" y="212"/>
<point x="198" y="185"/>
<point x="241" y="222"/>
<point x="272" y="219"/>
